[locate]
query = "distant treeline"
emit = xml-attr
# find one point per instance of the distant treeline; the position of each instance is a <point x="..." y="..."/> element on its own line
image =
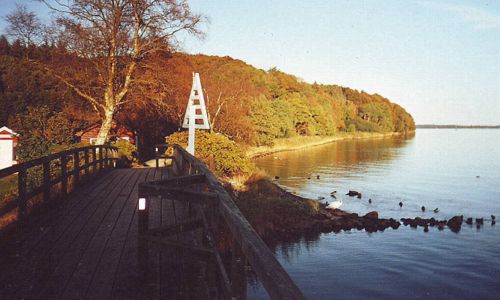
<point x="458" y="126"/>
<point x="255" y="107"/>
<point x="248" y="105"/>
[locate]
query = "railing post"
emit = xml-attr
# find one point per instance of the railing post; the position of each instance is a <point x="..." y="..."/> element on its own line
<point x="64" y="175"/>
<point x="76" y="168"/>
<point x="179" y="162"/>
<point x="94" y="160"/>
<point x="106" y="158"/>
<point x="21" y="188"/>
<point x="46" y="181"/>
<point x="86" y="157"/>
<point x="101" y="161"/>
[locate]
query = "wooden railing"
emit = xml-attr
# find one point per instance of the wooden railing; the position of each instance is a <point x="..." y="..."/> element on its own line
<point x="66" y="169"/>
<point x="274" y="278"/>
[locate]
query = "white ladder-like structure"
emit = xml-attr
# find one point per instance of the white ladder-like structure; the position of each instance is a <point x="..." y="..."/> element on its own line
<point x="196" y="112"/>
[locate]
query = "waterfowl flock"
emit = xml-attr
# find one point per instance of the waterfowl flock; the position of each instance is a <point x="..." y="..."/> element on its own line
<point x="454" y="223"/>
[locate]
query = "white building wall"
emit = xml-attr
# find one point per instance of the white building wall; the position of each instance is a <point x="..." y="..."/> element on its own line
<point x="6" y="153"/>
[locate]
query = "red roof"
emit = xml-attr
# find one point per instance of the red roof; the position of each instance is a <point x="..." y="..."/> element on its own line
<point x="117" y="131"/>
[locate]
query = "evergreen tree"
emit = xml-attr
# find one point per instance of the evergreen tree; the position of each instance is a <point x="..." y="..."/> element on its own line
<point x="4" y="45"/>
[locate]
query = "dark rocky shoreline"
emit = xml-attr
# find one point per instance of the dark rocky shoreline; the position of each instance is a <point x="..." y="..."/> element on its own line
<point x="335" y="220"/>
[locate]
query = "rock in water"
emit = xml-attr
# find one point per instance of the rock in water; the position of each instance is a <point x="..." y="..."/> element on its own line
<point x="455" y="223"/>
<point x="469" y="221"/>
<point x="353" y="193"/>
<point x="373" y="215"/>
<point x="400" y="204"/>
<point x="423" y="208"/>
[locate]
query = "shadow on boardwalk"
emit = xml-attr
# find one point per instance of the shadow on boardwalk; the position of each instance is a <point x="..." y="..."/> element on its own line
<point x="89" y="249"/>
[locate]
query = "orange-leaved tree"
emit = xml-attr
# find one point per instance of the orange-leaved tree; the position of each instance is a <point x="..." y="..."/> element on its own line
<point x="107" y="42"/>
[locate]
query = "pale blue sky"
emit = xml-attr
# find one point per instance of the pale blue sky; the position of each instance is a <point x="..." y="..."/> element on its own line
<point x="438" y="59"/>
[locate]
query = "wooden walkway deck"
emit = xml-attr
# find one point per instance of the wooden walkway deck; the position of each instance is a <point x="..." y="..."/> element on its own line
<point x="89" y="248"/>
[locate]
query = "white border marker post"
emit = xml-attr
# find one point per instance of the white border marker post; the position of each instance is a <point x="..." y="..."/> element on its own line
<point x="196" y="112"/>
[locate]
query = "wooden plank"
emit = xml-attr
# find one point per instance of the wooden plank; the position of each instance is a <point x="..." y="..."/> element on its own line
<point x="127" y="277"/>
<point x="114" y="261"/>
<point x="168" y="230"/>
<point x="207" y="252"/>
<point x="46" y="256"/>
<point x="180" y="180"/>
<point x="82" y="277"/>
<point x="183" y="194"/>
<point x="72" y="204"/>
<point x="34" y="259"/>
<point x="85" y="229"/>
<point x="149" y="287"/>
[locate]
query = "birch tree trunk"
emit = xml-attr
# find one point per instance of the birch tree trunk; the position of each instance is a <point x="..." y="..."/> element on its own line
<point x="107" y="123"/>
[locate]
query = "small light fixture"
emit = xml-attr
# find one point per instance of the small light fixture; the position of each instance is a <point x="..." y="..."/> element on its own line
<point x="142" y="203"/>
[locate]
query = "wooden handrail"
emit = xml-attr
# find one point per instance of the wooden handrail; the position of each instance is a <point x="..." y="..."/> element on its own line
<point x="45" y="162"/>
<point x="273" y="276"/>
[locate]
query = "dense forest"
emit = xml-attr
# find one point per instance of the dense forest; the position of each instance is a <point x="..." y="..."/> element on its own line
<point x="248" y="105"/>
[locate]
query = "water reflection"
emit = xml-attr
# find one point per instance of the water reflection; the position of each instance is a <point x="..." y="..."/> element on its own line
<point x="333" y="160"/>
<point x="436" y="169"/>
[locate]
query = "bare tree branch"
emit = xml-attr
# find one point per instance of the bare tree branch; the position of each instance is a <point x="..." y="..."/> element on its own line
<point x="116" y="36"/>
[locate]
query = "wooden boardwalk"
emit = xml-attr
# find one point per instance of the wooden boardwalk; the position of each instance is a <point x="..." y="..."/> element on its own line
<point x="89" y="248"/>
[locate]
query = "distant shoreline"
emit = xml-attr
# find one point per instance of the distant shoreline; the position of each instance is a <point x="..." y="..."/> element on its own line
<point x="302" y="142"/>
<point x="430" y="126"/>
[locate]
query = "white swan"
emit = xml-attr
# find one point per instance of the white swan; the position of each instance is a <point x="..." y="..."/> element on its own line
<point x="335" y="204"/>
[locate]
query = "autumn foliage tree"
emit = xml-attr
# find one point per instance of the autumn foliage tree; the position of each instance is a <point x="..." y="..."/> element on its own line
<point x="108" y="41"/>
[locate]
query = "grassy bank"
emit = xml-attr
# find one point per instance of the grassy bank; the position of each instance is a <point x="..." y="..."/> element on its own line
<point x="301" y="142"/>
<point x="8" y="186"/>
<point x="272" y="210"/>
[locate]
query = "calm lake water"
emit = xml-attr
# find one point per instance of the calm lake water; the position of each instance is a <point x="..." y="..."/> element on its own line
<point x="437" y="168"/>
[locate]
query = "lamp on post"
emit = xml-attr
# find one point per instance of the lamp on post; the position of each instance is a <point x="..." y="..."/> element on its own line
<point x="143" y="214"/>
